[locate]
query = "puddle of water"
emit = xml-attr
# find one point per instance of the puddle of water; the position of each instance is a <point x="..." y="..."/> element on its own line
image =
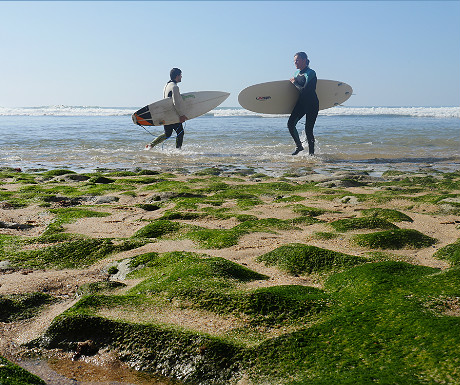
<point x="68" y="372"/>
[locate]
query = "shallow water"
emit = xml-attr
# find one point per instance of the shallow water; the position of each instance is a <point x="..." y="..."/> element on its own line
<point x="366" y="139"/>
<point x="68" y="372"/>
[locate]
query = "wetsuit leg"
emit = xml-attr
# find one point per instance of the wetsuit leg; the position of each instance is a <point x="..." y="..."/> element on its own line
<point x="168" y="130"/>
<point x="309" y="124"/>
<point x="297" y="113"/>
<point x="180" y="135"/>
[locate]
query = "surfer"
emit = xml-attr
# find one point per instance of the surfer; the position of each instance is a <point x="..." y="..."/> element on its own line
<point x="307" y="104"/>
<point x="171" y="90"/>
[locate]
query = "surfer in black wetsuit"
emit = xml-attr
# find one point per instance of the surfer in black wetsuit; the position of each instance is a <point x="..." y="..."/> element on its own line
<point x="171" y="90"/>
<point x="307" y="104"/>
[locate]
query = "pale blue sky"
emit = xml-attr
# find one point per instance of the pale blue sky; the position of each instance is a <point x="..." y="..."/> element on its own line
<point x="393" y="53"/>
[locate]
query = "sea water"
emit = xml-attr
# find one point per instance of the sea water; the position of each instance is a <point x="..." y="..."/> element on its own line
<point x="373" y="139"/>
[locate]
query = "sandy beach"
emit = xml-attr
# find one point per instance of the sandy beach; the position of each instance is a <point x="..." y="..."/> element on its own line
<point x="126" y="210"/>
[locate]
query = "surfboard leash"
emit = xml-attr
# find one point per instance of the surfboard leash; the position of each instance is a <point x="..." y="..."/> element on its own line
<point x="146" y="130"/>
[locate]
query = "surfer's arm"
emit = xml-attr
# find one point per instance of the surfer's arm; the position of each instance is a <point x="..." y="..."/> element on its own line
<point x="178" y="101"/>
<point x="301" y="80"/>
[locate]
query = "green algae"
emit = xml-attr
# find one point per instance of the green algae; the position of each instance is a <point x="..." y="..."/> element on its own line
<point x="99" y="287"/>
<point x="324" y="235"/>
<point x="308" y="211"/>
<point x="266" y="306"/>
<point x="450" y="253"/>
<point x="12" y="374"/>
<point x="70" y="255"/>
<point x="15" y="307"/>
<point x="148" y="206"/>
<point x="188" y="357"/>
<point x="157" y="229"/>
<point x="379" y="332"/>
<point x="143" y="260"/>
<point x="389" y="214"/>
<point x="379" y="322"/>
<point x="179" y="272"/>
<point x="223" y="238"/>
<point x="9" y="245"/>
<point x="394" y="239"/>
<point x="349" y="224"/>
<point x="298" y="258"/>
<point x="371" y="315"/>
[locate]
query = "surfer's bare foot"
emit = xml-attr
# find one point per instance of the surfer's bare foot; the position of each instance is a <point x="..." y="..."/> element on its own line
<point x="297" y="150"/>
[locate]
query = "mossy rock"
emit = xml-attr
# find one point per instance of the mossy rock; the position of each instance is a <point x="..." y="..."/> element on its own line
<point x="143" y="260"/>
<point x="179" y="355"/>
<point x="157" y="229"/>
<point x="450" y="253"/>
<point x="12" y="374"/>
<point x="394" y="239"/>
<point x="148" y="206"/>
<point x="389" y="214"/>
<point x="184" y="215"/>
<point x="100" y="180"/>
<point x="99" y="287"/>
<point x="266" y="224"/>
<point x="209" y="171"/>
<point x="72" y="254"/>
<point x="266" y="306"/>
<point x="349" y="224"/>
<point x="216" y="238"/>
<point x="308" y="211"/>
<point x="298" y="258"/>
<point x="15" y="307"/>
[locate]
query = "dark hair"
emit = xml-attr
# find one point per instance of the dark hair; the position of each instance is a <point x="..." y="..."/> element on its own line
<point x="174" y="73"/>
<point x="303" y="55"/>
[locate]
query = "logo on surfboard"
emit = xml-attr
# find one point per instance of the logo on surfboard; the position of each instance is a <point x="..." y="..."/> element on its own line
<point x="262" y="98"/>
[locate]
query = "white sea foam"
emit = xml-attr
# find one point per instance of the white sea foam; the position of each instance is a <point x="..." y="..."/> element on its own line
<point x="434" y="112"/>
<point x="61" y="110"/>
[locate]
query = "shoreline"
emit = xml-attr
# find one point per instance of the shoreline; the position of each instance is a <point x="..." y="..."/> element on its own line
<point x="236" y="215"/>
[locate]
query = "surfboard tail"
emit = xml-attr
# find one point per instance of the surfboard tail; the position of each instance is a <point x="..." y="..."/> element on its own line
<point x="140" y="121"/>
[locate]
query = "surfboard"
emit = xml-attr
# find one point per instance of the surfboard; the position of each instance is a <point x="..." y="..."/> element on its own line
<point x="280" y="97"/>
<point x="162" y="112"/>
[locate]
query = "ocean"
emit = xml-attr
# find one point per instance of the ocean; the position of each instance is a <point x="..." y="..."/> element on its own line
<point x="372" y="139"/>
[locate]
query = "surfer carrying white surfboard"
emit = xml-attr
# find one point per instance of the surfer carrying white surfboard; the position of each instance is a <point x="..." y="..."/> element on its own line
<point x="307" y="104"/>
<point x="171" y="90"/>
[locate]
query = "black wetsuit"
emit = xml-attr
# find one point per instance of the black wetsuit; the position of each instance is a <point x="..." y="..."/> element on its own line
<point x="178" y="127"/>
<point x="307" y="104"/>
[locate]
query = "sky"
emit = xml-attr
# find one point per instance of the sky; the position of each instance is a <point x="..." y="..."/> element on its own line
<point x="119" y="53"/>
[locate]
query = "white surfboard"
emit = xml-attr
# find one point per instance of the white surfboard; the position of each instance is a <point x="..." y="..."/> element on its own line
<point x="280" y="97"/>
<point x="163" y="112"/>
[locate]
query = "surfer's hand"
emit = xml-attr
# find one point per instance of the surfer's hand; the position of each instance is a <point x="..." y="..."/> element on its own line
<point x="292" y="80"/>
<point x="182" y="119"/>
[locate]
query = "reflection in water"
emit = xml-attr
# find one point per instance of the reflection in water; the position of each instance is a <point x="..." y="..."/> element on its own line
<point x="67" y="372"/>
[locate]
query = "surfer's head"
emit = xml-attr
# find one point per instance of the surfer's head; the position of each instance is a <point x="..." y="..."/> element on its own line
<point x="301" y="60"/>
<point x="175" y="75"/>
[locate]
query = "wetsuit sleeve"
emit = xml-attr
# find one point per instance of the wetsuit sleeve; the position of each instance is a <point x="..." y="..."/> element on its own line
<point x="178" y="102"/>
<point x="302" y="79"/>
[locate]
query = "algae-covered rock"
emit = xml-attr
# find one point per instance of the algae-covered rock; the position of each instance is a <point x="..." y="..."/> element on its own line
<point x="12" y="374"/>
<point x="298" y="258"/>
<point x="394" y="239"/>
<point x="450" y="253"/>
<point x="389" y="214"/>
<point x="73" y="254"/>
<point x="348" y="224"/>
<point x="157" y="229"/>
<point x="14" y="307"/>
<point x="188" y="357"/>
